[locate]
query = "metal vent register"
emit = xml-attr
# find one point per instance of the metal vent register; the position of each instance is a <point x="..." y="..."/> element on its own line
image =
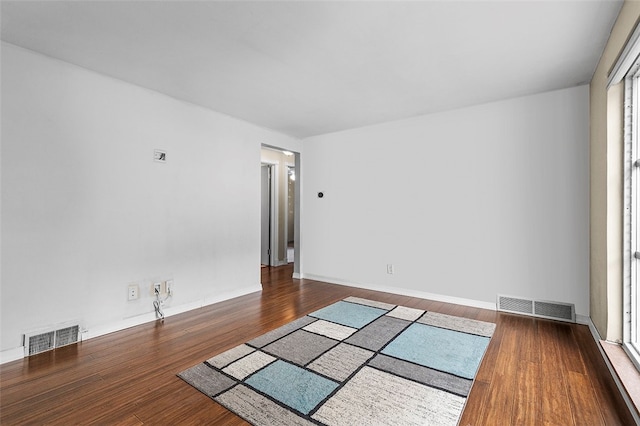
<point x="40" y="343"/>
<point x="537" y="308"/>
<point x="35" y="343"/>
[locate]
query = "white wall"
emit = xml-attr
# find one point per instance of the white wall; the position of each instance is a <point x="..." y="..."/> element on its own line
<point x="466" y="204"/>
<point x="86" y="211"/>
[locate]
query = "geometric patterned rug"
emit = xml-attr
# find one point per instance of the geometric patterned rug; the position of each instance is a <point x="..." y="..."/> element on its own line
<point x="356" y="361"/>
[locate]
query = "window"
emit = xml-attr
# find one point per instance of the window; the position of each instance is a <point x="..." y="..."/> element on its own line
<point x="632" y="213"/>
<point x="627" y="70"/>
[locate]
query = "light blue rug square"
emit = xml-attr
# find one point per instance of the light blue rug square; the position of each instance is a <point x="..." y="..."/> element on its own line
<point x="296" y="387"/>
<point x="441" y="349"/>
<point x="349" y="314"/>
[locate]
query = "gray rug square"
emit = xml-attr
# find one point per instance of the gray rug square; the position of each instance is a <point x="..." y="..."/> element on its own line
<point x="372" y="303"/>
<point x="377" y="334"/>
<point x="258" y="409"/>
<point x="341" y="361"/>
<point x="300" y="347"/>
<point x="434" y="378"/>
<point x="279" y="332"/>
<point x="207" y="380"/>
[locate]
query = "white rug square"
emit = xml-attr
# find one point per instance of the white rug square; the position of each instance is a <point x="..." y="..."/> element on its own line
<point x="375" y="397"/>
<point x="465" y="325"/>
<point x="409" y="314"/>
<point x="248" y="365"/>
<point x="227" y="357"/>
<point x="330" y="329"/>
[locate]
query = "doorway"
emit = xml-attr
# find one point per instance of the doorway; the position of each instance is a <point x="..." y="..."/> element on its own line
<point x="280" y="208"/>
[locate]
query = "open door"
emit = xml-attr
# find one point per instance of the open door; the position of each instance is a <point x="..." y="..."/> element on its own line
<point x="291" y="207"/>
<point x="265" y="228"/>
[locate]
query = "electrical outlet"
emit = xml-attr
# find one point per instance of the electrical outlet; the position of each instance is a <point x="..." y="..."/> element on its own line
<point x="133" y="293"/>
<point x="168" y="285"/>
<point x="390" y="268"/>
<point x="157" y="288"/>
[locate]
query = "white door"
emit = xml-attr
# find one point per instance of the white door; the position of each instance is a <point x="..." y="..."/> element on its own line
<point x="265" y="229"/>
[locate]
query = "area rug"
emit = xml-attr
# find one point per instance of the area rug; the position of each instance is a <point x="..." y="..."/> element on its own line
<point x="356" y="361"/>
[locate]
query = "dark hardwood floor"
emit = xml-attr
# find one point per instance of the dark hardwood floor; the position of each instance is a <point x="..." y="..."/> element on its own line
<point x="534" y="372"/>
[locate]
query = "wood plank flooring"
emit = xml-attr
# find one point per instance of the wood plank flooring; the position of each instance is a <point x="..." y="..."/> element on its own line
<point x="534" y="372"/>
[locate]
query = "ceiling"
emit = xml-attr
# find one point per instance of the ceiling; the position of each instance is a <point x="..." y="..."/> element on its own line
<point x="305" y="68"/>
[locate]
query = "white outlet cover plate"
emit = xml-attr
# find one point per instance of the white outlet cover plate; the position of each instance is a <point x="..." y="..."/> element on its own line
<point x="133" y="292"/>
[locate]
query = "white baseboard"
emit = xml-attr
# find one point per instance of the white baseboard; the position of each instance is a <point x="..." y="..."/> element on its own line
<point x="18" y="353"/>
<point x="407" y="292"/>
<point x="11" y="354"/>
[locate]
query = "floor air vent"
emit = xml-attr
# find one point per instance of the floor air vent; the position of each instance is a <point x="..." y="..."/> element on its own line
<point x="35" y="343"/>
<point x="537" y="308"/>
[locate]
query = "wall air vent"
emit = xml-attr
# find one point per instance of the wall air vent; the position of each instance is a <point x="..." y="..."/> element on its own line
<point x="39" y="343"/>
<point x="35" y="343"/>
<point x="537" y="308"/>
<point x="67" y="336"/>
<point x="512" y="304"/>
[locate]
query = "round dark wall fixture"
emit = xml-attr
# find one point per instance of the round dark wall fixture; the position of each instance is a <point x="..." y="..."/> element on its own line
<point x="320" y="194"/>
